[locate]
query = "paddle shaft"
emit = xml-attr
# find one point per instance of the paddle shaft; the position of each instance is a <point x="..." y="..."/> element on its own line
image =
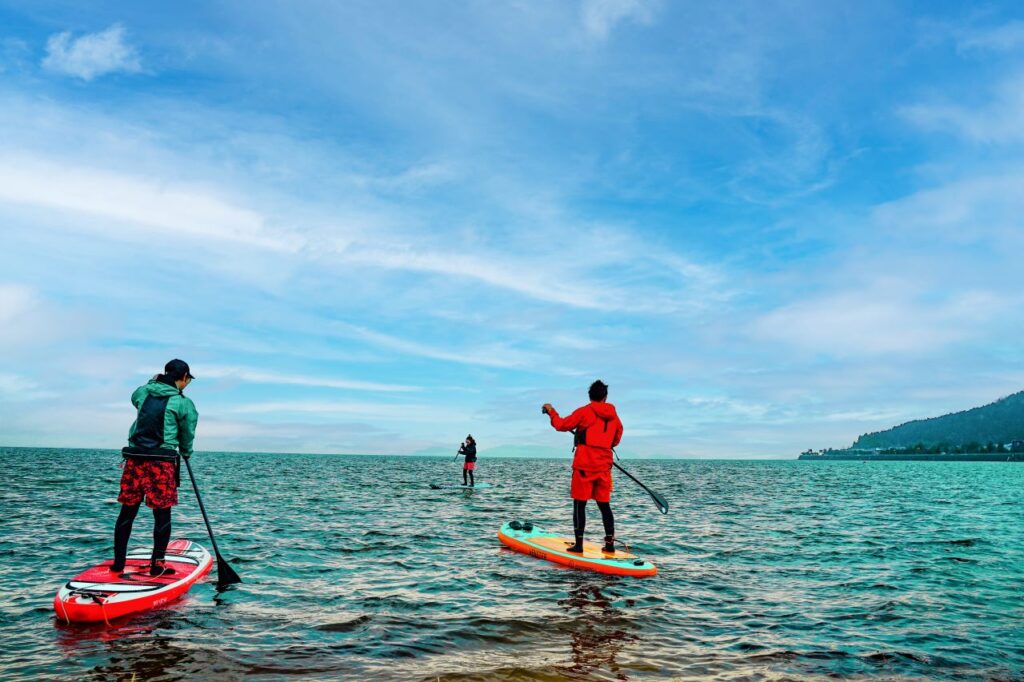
<point x="658" y="499"/>
<point x="225" y="574"/>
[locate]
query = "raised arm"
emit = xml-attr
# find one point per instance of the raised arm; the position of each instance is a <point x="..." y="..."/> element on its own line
<point x="569" y="423"/>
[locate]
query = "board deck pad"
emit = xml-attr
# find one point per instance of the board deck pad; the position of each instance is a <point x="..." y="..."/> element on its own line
<point x="542" y="544"/>
<point x="97" y="594"/>
<point x="459" y="486"/>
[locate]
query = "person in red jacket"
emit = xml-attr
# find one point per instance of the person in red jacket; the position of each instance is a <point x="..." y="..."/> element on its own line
<point x="597" y="430"/>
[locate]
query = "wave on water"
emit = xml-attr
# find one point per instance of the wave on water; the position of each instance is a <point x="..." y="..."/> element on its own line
<point x="767" y="570"/>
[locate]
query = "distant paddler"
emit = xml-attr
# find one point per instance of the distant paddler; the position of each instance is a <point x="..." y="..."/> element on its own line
<point x="468" y="450"/>
<point x="597" y="429"/>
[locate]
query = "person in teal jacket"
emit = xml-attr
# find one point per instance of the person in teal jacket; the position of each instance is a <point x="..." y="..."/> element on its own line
<point x="164" y="429"/>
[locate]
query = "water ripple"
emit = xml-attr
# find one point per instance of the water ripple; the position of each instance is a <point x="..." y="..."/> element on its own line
<point x="354" y="568"/>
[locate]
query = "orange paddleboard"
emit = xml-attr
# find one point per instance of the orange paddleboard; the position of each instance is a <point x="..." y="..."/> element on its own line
<point x="537" y="542"/>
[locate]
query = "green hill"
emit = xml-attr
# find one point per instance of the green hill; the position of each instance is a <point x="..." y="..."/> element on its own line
<point x="998" y="422"/>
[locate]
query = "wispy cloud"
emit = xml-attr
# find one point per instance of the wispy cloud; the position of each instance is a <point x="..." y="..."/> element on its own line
<point x="17" y="388"/>
<point x="91" y="55"/>
<point x="350" y="410"/>
<point x="15" y="299"/>
<point x="258" y="376"/>
<point x="496" y="355"/>
<point x="999" y="38"/>
<point x="979" y="208"/>
<point x="887" y="318"/>
<point x="601" y="16"/>
<point x="999" y="119"/>
<point x="133" y="203"/>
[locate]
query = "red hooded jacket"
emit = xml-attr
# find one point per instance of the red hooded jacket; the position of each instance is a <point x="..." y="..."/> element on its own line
<point x="598" y="430"/>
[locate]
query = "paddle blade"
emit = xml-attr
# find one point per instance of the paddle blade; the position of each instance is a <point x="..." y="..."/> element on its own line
<point x="225" y="574"/>
<point x="660" y="501"/>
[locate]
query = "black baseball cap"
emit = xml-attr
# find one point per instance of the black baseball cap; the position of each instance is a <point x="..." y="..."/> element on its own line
<point x="177" y="369"/>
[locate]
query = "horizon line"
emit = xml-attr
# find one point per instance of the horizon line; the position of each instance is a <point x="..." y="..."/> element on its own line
<point x="419" y="455"/>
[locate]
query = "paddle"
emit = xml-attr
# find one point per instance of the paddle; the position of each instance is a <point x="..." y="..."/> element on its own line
<point x="225" y="574"/>
<point x="660" y="501"/>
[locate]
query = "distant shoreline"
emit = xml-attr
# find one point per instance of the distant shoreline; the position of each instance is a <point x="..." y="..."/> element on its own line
<point x="484" y="454"/>
<point x="916" y="457"/>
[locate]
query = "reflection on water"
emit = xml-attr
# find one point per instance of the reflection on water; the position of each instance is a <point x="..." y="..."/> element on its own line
<point x="599" y="630"/>
<point x="355" y="569"/>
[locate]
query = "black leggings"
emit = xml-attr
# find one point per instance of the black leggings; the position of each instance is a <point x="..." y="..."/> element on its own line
<point x="579" y="518"/>
<point x="470" y="472"/>
<point x="123" y="531"/>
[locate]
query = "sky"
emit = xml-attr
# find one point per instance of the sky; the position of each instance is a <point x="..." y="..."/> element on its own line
<point x="375" y="227"/>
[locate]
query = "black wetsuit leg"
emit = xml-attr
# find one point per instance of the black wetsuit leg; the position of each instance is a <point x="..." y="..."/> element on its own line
<point x="472" y="481"/>
<point x="464" y="473"/>
<point x="161" y="532"/>
<point x="607" y="518"/>
<point x="579" y="523"/>
<point x="122" y="533"/>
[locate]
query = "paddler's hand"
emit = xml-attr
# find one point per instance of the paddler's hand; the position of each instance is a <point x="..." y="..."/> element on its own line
<point x="546" y="408"/>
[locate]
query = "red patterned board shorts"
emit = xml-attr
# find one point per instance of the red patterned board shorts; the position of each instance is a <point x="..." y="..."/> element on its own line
<point x="587" y="485"/>
<point x="468" y="466"/>
<point x="153" y="480"/>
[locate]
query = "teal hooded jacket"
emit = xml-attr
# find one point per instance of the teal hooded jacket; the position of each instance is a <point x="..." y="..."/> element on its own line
<point x="180" y="419"/>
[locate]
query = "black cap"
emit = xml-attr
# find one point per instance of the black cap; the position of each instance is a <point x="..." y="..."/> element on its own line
<point x="177" y="369"/>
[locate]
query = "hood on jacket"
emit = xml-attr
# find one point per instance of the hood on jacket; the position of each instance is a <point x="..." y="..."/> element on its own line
<point x="160" y="389"/>
<point x="604" y="411"/>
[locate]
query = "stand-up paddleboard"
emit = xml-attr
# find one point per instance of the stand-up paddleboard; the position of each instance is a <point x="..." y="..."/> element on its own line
<point x="100" y="595"/>
<point x="459" y="486"/>
<point x="529" y="539"/>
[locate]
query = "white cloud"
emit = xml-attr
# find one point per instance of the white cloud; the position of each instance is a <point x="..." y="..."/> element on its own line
<point x="15" y="299"/>
<point x="15" y="387"/>
<point x="601" y="16"/>
<point x="257" y="376"/>
<point x="524" y="278"/>
<point x="30" y="323"/>
<point x="886" y="318"/>
<point x="433" y="415"/>
<point x="1001" y="119"/>
<point x="91" y="55"/>
<point x="1003" y="38"/>
<point x="985" y="208"/>
<point x="891" y="416"/>
<point x="493" y="355"/>
<point x="134" y="203"/>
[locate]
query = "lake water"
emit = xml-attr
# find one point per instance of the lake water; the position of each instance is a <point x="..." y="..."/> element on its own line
<point x="355" y="569"/>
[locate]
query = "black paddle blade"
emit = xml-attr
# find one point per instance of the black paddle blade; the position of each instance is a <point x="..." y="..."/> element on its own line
<point x="660" y="501"/>
<point x="225" y="574"/>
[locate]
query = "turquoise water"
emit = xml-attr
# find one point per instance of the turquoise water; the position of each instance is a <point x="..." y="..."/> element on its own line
<point x="355" y="569"/>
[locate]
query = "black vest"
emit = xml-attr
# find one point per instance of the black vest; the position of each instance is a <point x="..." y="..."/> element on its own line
<point x="148" y="440"/>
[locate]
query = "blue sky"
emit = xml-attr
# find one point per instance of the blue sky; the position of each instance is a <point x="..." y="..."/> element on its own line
<point x="376" y="226"/>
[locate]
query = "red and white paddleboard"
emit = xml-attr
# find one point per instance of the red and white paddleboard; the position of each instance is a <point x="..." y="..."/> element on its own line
<point x="101" y="595"/>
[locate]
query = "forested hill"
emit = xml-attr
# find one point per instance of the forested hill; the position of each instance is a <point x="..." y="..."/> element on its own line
<point x="998" y="422"/>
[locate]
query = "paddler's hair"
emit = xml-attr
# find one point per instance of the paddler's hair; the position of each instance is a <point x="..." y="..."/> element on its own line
<point x="598" y="391"/>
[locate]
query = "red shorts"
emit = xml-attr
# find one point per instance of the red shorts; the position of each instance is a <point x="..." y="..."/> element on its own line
<point x="468" y="466"/>
<point x="153" y="480"/>
<point x="587" y="485"/>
